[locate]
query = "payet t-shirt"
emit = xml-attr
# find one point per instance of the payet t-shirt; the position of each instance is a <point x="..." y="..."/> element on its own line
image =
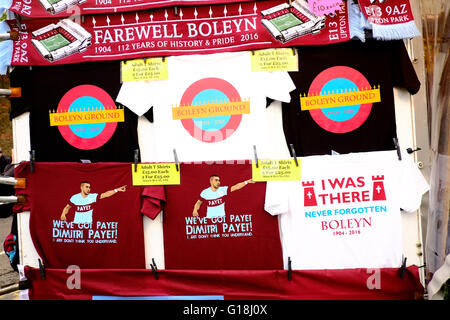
<point x="231" y="230"/>
<point x="103" y="229"/>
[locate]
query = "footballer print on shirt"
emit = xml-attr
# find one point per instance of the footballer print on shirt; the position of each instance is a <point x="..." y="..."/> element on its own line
<point x="217" y="222"/>
<point x="87" y="117"/>
<point x="344" y="206"/>
<point x="83" y="228"/>
<point x="340" y="99"/>
<point x="211" y="110"/>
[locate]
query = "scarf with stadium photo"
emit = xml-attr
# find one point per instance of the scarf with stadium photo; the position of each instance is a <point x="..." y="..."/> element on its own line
<point x="388" y="19"/>
<point x="67" y="8"/>
<point x="194" y="30"/>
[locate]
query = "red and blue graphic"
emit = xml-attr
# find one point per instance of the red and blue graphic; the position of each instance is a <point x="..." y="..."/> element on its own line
<point x="211" y="129"/>
<point x="92" y="135"/>
<point x="340" y="119"/>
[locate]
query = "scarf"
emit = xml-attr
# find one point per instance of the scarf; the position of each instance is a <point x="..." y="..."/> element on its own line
<point x="195" y="30"/>
<point x="388" y="19"/>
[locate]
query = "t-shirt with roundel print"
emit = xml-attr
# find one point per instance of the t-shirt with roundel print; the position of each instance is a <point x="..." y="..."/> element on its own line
<point x="212" y="107"/>
<point x="73" y="114"/>
<point x="344" y="99"/>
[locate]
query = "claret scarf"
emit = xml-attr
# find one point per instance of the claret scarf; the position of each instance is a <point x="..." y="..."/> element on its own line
<point x="155" y="33"/>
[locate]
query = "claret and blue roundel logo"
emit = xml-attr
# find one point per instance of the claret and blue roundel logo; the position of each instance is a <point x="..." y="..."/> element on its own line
<point x="340" y="99"/>
<point x="211" y="110"/>
<point x="86" y="117"/>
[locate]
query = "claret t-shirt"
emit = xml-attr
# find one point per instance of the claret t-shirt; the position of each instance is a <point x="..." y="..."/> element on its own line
<point x="95" y="228"/>
<point x="344" y="98"/>
<point x="231" y="230"/>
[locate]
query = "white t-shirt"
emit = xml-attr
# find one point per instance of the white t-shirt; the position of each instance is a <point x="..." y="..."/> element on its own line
<point x="83" y="207"/>
<point x="345" y="211"/>
<point x="212" y="107"/>
<point x="215" y="201"/>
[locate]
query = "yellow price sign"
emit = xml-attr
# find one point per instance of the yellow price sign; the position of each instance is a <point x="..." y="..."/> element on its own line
<point x="276" y="170"/>
<point x="282" y="59"/>
<point x="155" y="174"/>
<point x="144" y="69"/>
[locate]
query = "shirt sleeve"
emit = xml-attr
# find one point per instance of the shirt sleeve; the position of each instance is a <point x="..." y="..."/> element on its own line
<point x="404" y="75"/>
<point x="153" y="201"/>
<point x="71" y="201"/>
<point x="412" y="184"/>
<point x="135" y="96"/>
<point x="22" y="171"/>
<point x="149" y="115"/>
<point x="21" y="77"/>
<point x="277" y="197"/>
<point x="269" y="102"/>
<point x="276" y="85"/>
<point x="202" y="196"/>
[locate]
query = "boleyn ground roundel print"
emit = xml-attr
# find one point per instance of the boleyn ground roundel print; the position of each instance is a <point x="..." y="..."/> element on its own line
<point x="211" y="110"/>
<point x="340" y="99"/>
<point x="87" y="117"/>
